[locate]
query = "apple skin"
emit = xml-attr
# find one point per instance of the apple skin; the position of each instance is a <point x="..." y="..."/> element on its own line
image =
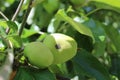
<point x="62" y="46"/>
<point x="38" y="54"/>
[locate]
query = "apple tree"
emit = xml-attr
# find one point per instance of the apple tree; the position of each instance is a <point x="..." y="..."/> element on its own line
<point x="59" y="39"/>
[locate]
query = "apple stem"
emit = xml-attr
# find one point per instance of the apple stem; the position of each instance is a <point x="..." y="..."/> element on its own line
<point x="79" y="48"/>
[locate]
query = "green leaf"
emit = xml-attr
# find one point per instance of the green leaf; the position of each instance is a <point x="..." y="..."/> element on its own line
<point x="77" y="2"/>
<point x="78" y="26"/>
<point x="115" y="68"/>
<point x="10" y="1"/>
<point x="26" y="33"/>
<point x="114" y="36"/>
<point x="99" y="35"/>
<point x="10" y="24"/>
<point x="89" y="65"/>
<point x="3" y="23"/>
<point x="36" y="2"/>
<point x="42" y="37"/>
<point x="2" y="32"/>
<point x="108" y="4"/>
<point x="16" y="40"/>
<point x="43" y="75"/>
<point x="84" y="42"/>
<point x="51" y="5"/>
<point x="26" y="73"/>
<point x="23" y="74"/>
<point x="41" y="17"/>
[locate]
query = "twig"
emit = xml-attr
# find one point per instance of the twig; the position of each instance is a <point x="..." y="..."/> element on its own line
<point x="4" y="16"/>
<point x="25" y="18"/>
<point x="93" y="11"/>
<point x="17" y="10"/>
<point x="15" y="14"/>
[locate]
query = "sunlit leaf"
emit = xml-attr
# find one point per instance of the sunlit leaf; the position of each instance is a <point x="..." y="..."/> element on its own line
<point x="108" y="4"/>
<point x="78" y="26"/>
<point x="26" y="33"/>
<point x="2" y="32"/>
<point x="12" y="25"/>
<point x="51" y="5"/>
<point x="16" y="40"/>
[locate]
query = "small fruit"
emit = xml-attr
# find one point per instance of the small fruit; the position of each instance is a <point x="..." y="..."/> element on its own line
<point x="38" y="54"/>
<point x="62" y="46"/>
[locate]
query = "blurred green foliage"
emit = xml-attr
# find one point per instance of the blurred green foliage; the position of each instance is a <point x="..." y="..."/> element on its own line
<point x="94" y="24"/>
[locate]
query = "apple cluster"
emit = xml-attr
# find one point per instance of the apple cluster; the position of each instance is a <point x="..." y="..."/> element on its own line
<point x="55" y="49"/>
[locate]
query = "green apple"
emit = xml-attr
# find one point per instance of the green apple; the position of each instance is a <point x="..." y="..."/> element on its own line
<point x="38" y="54"/>
<point x="62" y="46"/>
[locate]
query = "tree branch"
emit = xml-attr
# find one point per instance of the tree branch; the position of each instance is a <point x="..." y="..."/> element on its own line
<point x="15" y="14"/>
<point x="17" y="10"/>
<point x="6" y="69"/>
<point x="25" y="18"/>
<point x="4" y="16"/>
